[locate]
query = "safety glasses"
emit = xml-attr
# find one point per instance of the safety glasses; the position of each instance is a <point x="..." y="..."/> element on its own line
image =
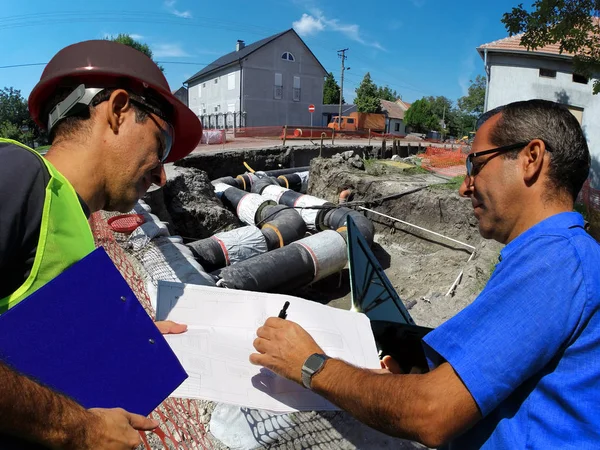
<point x="474" y="169"/>
<point x="167" y="135"/>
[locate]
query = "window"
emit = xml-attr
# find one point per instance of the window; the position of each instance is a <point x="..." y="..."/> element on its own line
<point x="203" y="85"/>
<point x="580" y="79"/>
<point x="203" y="108"/>
<point x="217" y="108"/>
<point x="547" y="73"/>
<point x="577" y="112"/>
<point x="296" y="90"/>
<point x="397" y="127"/>
<point x="288" y="56"/>
<point x="231" y="81"/>
<point x="278" y="89"/>
<point x="216" y="80"/>
<point x="350" y="121"/>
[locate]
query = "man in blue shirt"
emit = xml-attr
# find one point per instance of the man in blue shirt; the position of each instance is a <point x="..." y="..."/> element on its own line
<point x="518" y="368"/>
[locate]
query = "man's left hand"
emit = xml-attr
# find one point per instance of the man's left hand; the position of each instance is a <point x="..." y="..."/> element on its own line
<point x="170" y="327"/>
<point x="282" y="347"/>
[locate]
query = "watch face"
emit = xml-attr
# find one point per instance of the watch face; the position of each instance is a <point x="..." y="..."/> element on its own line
<point x="314" y="362"/>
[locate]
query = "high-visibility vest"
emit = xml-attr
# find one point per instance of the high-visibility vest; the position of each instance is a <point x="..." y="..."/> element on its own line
<point x="65" y="234"/>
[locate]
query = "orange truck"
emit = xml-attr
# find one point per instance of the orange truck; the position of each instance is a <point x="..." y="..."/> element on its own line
<point x="359" y="122"/>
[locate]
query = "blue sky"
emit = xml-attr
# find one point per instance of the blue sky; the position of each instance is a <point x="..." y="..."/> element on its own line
<point x="417" y="47"/>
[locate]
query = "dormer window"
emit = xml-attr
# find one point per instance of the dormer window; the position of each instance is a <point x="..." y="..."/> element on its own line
<point x="288" y="56"/>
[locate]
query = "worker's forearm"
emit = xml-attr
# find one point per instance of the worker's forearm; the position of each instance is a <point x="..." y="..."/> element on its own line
<point x="385" y="402"/>
<point x="38" y="414"/>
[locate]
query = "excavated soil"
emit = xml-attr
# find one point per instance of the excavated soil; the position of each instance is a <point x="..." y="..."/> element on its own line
<point x="422" y="267"/>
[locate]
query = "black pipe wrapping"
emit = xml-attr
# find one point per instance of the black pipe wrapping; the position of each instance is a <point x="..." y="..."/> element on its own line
<point x="209" y="254"/>
<point x="231" y="197"/>
<point x="336" y="218"/>
<point x="282" y="226"/>
<point x="289" y="198"/>
<point x="277" y="172"/>
<point x="291" y="181"/>
<point x="245" y="182"/>
<point x="227" y="180"/>
<point x="280" y="271"/>
<point x="261" y="184"/>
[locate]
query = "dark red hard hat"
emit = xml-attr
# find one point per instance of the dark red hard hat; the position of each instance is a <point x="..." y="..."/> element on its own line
<point x="108" y="64"/>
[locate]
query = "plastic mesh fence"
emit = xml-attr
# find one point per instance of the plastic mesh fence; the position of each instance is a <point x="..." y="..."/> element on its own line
<point x="449" y="162"/>
<point x="181" y="420"/>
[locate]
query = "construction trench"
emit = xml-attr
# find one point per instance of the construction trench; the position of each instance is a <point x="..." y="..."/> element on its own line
<point x="218" y="224"/>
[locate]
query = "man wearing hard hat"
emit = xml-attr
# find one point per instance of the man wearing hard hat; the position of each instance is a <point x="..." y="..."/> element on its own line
<point x="113" y="123"/>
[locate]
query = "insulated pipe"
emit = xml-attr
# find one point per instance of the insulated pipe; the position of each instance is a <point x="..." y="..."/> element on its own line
<point x="336" y="220"/>
<point x="312" y="217"/>
<point x="229" y="247"/>
<point x="282" y="226"/>
<point x="290" y="267"/>
<point x="260" y="185"/>
<point x="295" y="181"/>
<point x="277" y="172"/>
<point x="247" y="206"/>
<point x="227" y="180"/>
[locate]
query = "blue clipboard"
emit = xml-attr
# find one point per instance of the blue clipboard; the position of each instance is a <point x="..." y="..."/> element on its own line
<point x="86" y="335"/>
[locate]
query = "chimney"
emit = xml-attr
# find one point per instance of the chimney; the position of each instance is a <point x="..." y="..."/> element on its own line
<point x="240" y="45"/>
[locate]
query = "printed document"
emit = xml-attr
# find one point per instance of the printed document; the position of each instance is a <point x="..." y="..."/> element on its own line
<point x="222" y="326"/>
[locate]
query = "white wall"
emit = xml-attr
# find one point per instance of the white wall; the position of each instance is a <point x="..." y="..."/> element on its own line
<point x="516" y="78"/>
<point x="220" y="94"/>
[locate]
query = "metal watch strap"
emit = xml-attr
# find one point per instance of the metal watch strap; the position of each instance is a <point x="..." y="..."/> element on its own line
<point x="312" y="366"/>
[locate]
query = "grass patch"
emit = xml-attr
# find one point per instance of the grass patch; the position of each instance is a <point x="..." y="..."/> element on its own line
<point x="453" y="184"/>
<point x="417" y="170"/>
<point x="42" y="149"/>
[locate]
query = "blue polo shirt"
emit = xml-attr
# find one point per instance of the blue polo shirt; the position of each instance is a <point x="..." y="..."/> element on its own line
<point x="528" y="348"/>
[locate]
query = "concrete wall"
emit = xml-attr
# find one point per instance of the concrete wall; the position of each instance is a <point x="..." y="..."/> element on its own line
<point x="258" y="89"/>
<point x="516" y="77"/>
<point x="208" y="95"/>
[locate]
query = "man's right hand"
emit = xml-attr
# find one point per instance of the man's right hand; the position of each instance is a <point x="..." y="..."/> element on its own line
<point x="116" y="429"/>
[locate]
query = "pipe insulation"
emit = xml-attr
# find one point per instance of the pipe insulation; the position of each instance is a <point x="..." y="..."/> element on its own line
<point x="246" y="206"/>
<point x="229" y="247"/>
<point x="291" y="267"/>
<point x="337" y="218"/>
<point x="312" y="217"/>
<point x="277" y="172"/>
<point x="282" y="226"/>
<point x="295" y="181"/>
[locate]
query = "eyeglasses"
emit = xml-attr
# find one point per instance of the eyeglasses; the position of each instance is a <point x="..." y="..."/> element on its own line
<point x="167" y="135"/>
<point x="473" y="169"/>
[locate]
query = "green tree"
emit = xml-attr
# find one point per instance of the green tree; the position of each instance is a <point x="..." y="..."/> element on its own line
<point x="15" y="122"/>
<point x="385" y="93"/>
<point x="573" y="24"/>
<point x="474" y="102"/>
<point x="331" y="91"/>
<point x="126" y="39"/>
<point x="367" y="96"/>
<point x="420" y="117"/>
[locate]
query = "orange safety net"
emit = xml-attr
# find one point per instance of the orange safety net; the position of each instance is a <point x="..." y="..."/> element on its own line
<point x="181" y="420"/>
<point x="445" y="161"/>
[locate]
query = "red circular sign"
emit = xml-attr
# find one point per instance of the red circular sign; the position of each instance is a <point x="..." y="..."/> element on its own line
<point x="311" y="108"/>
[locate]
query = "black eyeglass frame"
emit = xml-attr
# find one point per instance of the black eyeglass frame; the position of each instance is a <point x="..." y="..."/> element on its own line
<point x="503" y="149"/>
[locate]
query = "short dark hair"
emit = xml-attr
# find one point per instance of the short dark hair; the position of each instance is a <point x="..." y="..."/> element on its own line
<point x="554" y="124"/>
<point x="75" y="123"/>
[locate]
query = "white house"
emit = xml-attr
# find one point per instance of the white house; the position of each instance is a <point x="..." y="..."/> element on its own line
<point x="515" y="73"/>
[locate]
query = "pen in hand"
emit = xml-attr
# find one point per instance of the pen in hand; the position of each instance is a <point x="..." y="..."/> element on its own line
<point x="283" y="312"/>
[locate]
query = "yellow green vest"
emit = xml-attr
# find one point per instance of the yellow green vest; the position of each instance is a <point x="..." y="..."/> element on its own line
<point x="65" y="235"/>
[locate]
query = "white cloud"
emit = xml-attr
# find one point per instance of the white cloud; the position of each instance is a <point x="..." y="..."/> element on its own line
<point x="308" y="25"/>
<point x="170" y="5"/>
<point x="168" y="50"/>
<point x="315" y="22"/>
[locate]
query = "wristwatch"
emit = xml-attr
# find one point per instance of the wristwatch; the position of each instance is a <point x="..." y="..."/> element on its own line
<point x="312" y="366"/>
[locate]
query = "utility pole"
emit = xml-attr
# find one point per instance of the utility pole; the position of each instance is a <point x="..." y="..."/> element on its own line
<point x="342" y="55"/>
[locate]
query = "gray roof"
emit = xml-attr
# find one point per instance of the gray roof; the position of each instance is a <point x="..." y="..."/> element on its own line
<point x="235" y="56"/>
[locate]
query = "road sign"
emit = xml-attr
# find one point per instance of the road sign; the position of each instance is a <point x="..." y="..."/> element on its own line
<point x="311" y="108"/>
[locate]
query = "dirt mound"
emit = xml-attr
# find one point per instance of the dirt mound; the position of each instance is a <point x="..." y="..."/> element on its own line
<point x="421" y="266"/>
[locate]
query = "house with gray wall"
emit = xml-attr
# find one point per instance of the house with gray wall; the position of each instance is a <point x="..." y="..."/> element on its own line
<point x="267" y="83"/>
<point x="515" y="73"/>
